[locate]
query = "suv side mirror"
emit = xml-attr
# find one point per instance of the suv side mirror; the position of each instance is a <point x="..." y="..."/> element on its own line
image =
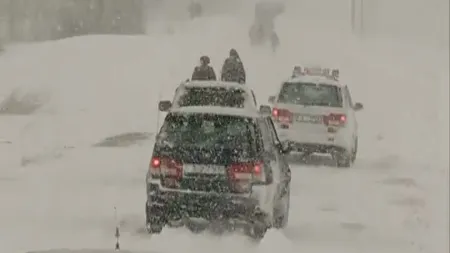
<point x="358" y="106"/>
<point x="265" y="110"/>
<point x="271" y="99"/>
<point x="164" y="105"/>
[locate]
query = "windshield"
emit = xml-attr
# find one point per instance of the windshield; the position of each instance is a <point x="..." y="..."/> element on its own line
<point x="208" y="132"/>
<point x="212" y="96"/>
<point x="310" y="94"/>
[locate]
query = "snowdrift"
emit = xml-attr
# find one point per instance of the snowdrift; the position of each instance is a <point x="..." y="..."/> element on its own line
<point x="73" y="91"/>
<point x="83" y="251"/>
<point x="94" y="88"/>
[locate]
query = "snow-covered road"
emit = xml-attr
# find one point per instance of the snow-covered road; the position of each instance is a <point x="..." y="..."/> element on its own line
<point x="58" y="190"/>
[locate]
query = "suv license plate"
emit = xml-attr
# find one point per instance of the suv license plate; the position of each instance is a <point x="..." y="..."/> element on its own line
<point x="203" y="169"/>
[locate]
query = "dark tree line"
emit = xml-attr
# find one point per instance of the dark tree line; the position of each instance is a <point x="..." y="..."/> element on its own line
<point x="37" y="20"/>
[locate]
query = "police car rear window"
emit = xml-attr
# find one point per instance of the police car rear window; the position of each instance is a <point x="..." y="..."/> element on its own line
<point x="311" y="94"/>
<point x="212" y="96"/>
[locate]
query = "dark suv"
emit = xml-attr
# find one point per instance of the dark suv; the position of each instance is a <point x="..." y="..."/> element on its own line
<point x="218" y="168"/>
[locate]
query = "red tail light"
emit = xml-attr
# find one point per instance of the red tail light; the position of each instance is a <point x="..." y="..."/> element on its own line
<point x="155" y="168"/>
<point x="169" y="170"/>
<point x="282" y="115"/>
<point x="243" y="175"/>
<point x="275" y="112"/>
<point x="334" y="119"/>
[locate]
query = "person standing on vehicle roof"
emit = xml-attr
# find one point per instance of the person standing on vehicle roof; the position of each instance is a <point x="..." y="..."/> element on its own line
<point x="233" y="68"/>
<point x="204" y="71"/>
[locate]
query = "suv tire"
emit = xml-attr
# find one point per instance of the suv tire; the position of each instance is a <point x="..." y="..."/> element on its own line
<point x="281" y="220"/>
<point x="153" y="225"/>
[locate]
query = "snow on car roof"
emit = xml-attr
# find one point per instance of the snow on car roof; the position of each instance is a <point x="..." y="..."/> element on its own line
<point x="313" y="79"/>
<point x="216" y="84"/>
<point x="229" y="111"/>
<point x="250" y="100"/>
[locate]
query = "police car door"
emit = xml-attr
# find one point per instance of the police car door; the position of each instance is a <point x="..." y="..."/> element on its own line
<point x="351" y="117"/>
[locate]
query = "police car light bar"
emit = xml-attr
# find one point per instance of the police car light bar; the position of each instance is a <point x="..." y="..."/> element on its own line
<point x="315" y="71"/>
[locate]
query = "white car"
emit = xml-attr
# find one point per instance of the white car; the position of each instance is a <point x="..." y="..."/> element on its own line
<point x="211" y="93"/>
<point x="314" y="113"/>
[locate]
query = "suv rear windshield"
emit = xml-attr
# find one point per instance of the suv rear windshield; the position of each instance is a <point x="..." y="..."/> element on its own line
<point x="310" y="94"/>
<point x="209" y="132"/>
<point x="212" y="96"/>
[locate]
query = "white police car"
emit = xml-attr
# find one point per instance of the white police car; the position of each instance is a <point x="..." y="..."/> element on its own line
<point x="315" y="113"/>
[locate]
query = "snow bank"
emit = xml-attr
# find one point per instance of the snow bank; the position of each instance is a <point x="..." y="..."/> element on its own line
<point x="76" y="88"/>
<point x="67" y="86"/>
<point x="81" y="251"/>
<point x="396" y="197"/>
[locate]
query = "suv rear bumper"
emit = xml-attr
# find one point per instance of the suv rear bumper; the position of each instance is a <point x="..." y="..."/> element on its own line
<point x="317" y="142"/>
<point x="315" y="148"/>
<point x="169" y="206"/>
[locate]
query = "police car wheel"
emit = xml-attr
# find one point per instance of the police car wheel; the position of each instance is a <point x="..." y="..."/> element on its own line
<point x="355" y="150"/>
<point x="343" y="159"/>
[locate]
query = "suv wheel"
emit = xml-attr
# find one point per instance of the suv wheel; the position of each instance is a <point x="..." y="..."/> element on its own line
<point x="153" y="224"/>
<point x="195" y="228"/>
<point x="281" y="219"/>
<point x="258" y="227"/>
<point x="257" y="232"/>
<point x="153" y="228"/>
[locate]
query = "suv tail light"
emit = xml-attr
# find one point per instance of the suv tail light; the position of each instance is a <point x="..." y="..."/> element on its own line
<point x="168" y="170"/>
<point x="243" y="175"/>
<point x="335" y="119"/>
<point x="282" y="115"/>
<point x="155" y="169"/>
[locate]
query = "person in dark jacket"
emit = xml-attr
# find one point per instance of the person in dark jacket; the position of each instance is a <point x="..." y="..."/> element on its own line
<point x="233" y="68"/>
<point x="274" y="41"/>
<point x="195" y="10"/>
<point x="204" y="71"/>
